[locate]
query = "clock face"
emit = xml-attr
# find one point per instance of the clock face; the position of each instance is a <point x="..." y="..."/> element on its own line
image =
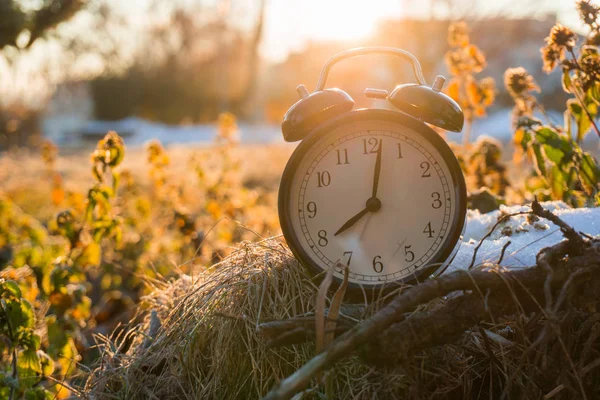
<point x="377" y="195"/>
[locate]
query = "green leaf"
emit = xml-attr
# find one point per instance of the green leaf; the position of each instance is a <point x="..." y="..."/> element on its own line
<point x="581" y="119"/>
<point x="46" y="363"/>
<point x="97" y="173"/>
<point x="29" y="360"/>
<point x="116" y="178"/>
<point x="566" y="81"/>
<point x="10" y="288"/>
<point x="38" y="393"/>
<point x="557" y="183"/>
<point x="590" y="170"/>
<point x="540" y="162"/>
<point x="554" y="155"/>
<point x="550" y="136"/>
<point x="20" y="314"/>
<point x="57" y="337"/>
<point x="593" y="93"/>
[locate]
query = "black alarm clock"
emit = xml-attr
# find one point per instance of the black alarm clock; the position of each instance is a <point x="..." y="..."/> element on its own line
<point x="374" y="189"/>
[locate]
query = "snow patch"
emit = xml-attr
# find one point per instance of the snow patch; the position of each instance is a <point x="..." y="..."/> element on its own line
<point x="527" y="236"/>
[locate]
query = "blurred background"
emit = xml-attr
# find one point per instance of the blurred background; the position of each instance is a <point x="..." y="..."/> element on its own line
<point x="140" y="146"/>
<point x="72" y="69"/>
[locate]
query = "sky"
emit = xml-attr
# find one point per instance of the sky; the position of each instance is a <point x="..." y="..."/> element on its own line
<point x="289" y="24"/>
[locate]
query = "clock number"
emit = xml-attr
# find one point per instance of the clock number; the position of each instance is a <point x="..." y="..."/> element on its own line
<point x="323" y="238"/>
<point x="437" y="202"/>
<point x="349" y="254"/>
<point x="323" y="179"/>
<point x="425" y="167"/>
<point x="373" y="143"/>
<point x="410" y="256"/>
<point x="312" y="209"/>
<point x="377" y="265"/>
<point x="428" y="230"/>
<point x="342" y="156"/>
<point x="400" y="150"/>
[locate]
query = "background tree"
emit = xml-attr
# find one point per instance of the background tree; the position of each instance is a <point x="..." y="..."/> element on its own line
<point x="16" y="20"/>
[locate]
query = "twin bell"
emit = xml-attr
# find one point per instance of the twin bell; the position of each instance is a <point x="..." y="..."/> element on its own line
<point x="423" y="102"/>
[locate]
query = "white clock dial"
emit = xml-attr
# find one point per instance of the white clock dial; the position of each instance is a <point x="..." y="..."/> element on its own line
<point x="384" y="228"/>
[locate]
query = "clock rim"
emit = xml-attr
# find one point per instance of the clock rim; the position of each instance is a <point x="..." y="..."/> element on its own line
<point x="456" y="227"/>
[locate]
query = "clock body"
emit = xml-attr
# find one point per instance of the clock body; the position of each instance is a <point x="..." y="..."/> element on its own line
<point x="392" y="218"/>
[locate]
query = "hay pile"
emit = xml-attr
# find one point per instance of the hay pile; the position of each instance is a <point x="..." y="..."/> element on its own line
<point x="199" y="339"/>
<point x="207" y="345"/>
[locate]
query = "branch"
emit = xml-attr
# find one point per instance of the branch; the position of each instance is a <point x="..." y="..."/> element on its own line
<point x="576" y="241"/>
<point x="480" y="280"/>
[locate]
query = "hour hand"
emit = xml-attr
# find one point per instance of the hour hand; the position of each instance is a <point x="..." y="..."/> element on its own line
<point x="351" y="221"/>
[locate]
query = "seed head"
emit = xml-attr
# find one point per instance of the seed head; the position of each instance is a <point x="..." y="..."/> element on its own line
<point x="591" y="71"/>
<point x="458" y="34"/>
<point x="562" y="37"/>
<point x="551" y="55"/>
<point x="594" y="40"/>
<point x="588" y="12"/>
<point x="518" y="82"/>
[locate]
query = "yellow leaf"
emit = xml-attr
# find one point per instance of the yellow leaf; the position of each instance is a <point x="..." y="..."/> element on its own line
<point x="62" y="392"/>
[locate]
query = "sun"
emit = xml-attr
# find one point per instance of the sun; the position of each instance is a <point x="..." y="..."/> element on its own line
<point x="347" y="20"/>
<point x="292" y="23"/>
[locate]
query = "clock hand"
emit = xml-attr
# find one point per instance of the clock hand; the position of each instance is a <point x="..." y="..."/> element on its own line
<point x="373" y="205"/>
<point x="351" y="221"/>
<point x="377" y="170"/>
<point x="398" y="249"/>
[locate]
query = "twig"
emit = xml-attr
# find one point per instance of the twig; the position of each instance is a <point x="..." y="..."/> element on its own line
<point x="488" y="347"/>
<point x="576" y="241"/>
<point x="503" y="251"/>
<point x="543" y="261"/>
<point x="487" y="235"/>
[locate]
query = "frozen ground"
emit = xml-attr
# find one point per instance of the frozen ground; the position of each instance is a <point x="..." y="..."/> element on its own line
<point x="137" y="131"/>
<point x="526" y="239"/>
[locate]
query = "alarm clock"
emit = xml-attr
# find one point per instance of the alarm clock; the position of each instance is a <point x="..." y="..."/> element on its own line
<point x="375" y="190"/>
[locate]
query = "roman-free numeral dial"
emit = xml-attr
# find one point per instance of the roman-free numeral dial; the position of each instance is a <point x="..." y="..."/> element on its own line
<point x="381" y="201"/>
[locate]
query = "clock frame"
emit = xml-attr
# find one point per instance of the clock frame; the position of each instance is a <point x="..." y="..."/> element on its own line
<point x="445" y="252"/>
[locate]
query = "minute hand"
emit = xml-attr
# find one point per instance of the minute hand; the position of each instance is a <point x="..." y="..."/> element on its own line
<point x="377" y="170"/>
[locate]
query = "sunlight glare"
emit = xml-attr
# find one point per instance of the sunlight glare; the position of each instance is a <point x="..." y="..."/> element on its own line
<point x="292" y="23"/>
<point x="347" y="20"/>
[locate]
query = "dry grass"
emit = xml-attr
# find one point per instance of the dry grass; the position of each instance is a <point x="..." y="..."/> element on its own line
<point x="208" y="346"/>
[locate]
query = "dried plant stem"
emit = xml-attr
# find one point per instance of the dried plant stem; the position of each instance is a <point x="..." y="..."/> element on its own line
<point x="487" y="235"/>
<point x="467" y="132"/>
<point x="576" y="241"/>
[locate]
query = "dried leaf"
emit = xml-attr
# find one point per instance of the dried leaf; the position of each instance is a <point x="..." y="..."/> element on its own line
<point x="320" y="310"/>
<point x="334" y="309"/>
